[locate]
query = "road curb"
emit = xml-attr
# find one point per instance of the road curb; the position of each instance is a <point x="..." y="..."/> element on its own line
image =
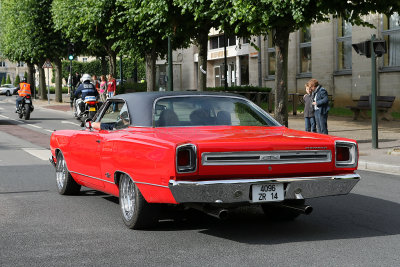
<point x="378" y="167"/>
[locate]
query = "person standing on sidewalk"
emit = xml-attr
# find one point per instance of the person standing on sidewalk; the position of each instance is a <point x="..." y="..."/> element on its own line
<point x="112" y="86"/>
<point x="320" y="104"/>
<point x="103" y="89"/>
<point x="309" y="111"/>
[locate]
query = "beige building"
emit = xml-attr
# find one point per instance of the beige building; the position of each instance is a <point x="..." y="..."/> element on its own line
<point x="12" y="69"/>
<point x="322" y="51"/>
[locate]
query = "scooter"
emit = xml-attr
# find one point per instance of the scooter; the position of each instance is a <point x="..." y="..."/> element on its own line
<point x="25" y="107"/>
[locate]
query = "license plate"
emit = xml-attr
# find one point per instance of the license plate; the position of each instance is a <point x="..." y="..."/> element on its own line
<point x="267" y="192"/>
<point x="27" y="101"/>
<point x="92" y="109"/>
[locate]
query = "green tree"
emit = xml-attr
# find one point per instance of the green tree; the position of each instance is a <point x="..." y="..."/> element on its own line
<point x="28" y="34"/>
<point x="285" y="16"/>
<point x="147" y="26"/>
<point x="17" y="80"/>
<point x="8" y="79"/>
<point x="3" y="80"/>
<point x="90" y="22"/>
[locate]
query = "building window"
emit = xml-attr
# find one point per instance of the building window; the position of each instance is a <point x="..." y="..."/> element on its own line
<point x="270" y="56"/>
<point x="84" y="60"/>
<point x="391" y="33"/>
<point x="20" y="64"/>
<point x="2" y="63"/>
<point x="218" y="41"/>
<point x="305" y="50"/>
<point x="343" y="45"/>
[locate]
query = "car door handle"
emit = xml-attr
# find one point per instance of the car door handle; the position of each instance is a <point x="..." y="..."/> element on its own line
<point x="98" y="141"/>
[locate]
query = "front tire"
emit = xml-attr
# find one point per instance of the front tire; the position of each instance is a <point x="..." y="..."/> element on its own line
<point x="66" y="185"/>
<point x="136" y="212"/>
<point x="8" y="93"/>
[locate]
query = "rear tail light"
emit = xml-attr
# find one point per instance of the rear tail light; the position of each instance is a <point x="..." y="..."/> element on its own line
<point x="346" y="154"/>
<point x="91" y="103"/>
<point x="186" y="158"/>
<point x="27" y="96"/>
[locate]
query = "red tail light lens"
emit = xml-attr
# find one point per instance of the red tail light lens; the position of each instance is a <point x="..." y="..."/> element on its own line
<point x="28" y="96"/>
<point x="342" y="154"/>
<point x="183" y="158"/>
<point x="92" y="103"/>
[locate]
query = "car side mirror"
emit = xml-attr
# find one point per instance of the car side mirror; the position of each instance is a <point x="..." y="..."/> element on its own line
<point x="88" y="124"/>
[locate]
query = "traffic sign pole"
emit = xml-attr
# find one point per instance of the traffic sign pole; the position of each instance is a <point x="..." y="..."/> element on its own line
<point x="373" y="96"/>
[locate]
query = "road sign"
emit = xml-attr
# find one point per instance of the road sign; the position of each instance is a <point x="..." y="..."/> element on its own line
<point x="47" y="65"/>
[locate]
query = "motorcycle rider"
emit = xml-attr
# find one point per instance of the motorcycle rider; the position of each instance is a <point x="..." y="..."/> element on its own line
<point x="86" y="88"/>
<point x="24" y="90"/>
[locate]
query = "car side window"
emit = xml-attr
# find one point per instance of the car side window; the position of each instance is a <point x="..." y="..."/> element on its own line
<point x="115" y="115"/>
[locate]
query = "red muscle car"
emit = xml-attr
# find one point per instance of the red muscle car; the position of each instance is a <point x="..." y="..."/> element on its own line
<point x="209" y="151"/>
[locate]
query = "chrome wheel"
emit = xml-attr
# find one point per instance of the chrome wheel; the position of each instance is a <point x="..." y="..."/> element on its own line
<point x="136" y="212"/>
<point x="127" y="197"/>
<point x="61" y="172"/>
<point x="66" y="185"/>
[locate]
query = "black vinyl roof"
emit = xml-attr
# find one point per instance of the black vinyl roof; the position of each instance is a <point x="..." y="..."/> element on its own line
<point x="140" y="105"/>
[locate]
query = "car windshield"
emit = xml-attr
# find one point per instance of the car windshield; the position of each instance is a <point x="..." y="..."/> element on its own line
<point x="207" y="111"/>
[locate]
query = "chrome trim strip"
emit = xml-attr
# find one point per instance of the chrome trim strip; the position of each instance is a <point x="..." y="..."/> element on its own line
<point x="239" y="191"/>
<point x="92" y="177"/>
<point x="266" y="157"/>
<point x="164" y="186"/>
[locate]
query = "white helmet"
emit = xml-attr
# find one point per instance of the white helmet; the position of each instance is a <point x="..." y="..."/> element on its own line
<point x="86" y="77"/>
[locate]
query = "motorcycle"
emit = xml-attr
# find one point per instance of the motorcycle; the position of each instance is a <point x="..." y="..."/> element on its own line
<point x="91" y="105"/>
<point x="25" y="107"/>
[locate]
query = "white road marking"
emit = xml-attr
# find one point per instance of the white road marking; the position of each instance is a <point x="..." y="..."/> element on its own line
<point x="70" y="122"/>
<point x="35" y="126"/>
<point x="50" y="131"/>
<point x="43" y="154"/>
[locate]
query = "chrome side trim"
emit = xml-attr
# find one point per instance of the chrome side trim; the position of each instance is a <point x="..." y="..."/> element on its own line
<point x="88" y="176"/>
<point x="239" y="191"/>
<point x="266" y="157"/>
<point x="164" y="186"/>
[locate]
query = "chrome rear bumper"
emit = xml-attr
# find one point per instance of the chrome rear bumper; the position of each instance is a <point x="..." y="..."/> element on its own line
<point x="238" y="191"/>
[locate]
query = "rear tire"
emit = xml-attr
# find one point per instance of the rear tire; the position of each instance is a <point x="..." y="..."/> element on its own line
<point x="27" y="112"/>
<point x="136" y="212"/>
<point x="276" y="213"/>
<point x="66" y="185"/>
<point x="8" y="93"/>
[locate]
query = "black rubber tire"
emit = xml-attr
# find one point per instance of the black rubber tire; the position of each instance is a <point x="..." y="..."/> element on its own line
<point x="20" y="115"/>
<point x="91" y="114"/>
<point x="66" y="185"/>
<point x="8" y="93"/>
<point x="27" y="112"/>
<point x="136" y="212"/>
<point x="276" y="213"/>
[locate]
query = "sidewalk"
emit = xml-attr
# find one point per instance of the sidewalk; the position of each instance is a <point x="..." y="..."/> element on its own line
<point x="384" y="159"/>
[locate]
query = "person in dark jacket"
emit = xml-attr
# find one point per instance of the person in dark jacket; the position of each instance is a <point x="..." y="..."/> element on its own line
<point x="320" y="104"/>
<point x="309" y="118"/>
<point x="86" y="88"/>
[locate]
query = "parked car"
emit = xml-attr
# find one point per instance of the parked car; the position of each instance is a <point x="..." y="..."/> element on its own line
<point x="209" y="151"/>
<point x="8" y="89"/>
<point x="119" y="81"/>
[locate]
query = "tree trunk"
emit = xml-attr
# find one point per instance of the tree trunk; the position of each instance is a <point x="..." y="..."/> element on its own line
<point x="281" y="92"/>
<point x="103" y="65"/>
<point x="151" y="70"/>
<point x="58" y="79"/>
<point x="42" y="82"/>
<point x="31" y="77"/>
<point x="202" y="61"/>
<point x="113" y="63"/>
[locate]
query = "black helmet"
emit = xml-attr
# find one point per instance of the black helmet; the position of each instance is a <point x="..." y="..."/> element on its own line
<point x="24" y="80"/>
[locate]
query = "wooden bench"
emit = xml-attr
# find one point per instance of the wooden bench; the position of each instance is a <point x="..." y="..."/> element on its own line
<point x="383" y="104"/>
